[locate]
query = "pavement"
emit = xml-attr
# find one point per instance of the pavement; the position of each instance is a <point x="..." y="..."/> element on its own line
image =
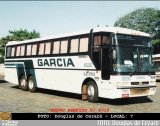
<point x="12" y="99"/>
<point x="1" y="70"/>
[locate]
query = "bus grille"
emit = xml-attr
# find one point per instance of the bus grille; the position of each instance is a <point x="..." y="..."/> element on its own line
<point x="140" y="83"/>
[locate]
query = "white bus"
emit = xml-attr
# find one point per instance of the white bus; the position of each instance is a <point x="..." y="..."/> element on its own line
<point x="108" y="62"/>
<point x="156" y="60"/>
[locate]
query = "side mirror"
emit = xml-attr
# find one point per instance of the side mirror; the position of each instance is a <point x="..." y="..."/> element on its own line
<point x="114" y="54"/>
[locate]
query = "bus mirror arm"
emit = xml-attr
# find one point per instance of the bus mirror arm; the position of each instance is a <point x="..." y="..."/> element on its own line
<point x="114" y="54"/>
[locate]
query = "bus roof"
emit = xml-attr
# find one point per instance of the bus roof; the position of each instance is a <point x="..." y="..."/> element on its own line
<point x="98" y="29"/>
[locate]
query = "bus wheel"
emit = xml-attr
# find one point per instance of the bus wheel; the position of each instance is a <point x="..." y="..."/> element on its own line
<point x="23" y="83"/>
<point x="31" y="84"/>
<point x="92" y="92"/>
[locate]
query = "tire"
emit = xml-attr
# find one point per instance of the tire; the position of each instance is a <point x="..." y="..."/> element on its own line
<point x="23" y="83"/>
<point x="31" y="84"/>
<point x="92" y="92"/>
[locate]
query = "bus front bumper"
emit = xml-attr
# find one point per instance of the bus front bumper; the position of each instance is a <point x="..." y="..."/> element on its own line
<point x="136" y="91"/>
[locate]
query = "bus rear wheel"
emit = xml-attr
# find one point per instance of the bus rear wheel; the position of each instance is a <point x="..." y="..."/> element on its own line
<point x="23" y="83"/>
<point x="31" y="84"/>
<point x="92" y="92"/>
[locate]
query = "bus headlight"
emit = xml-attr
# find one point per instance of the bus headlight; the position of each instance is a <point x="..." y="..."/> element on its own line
<point x="119" y="84"/>
<point x="123" y="84"/>
<point x="126" y="83"/>
<point x="153" y="77"/>
<point x="153" y="82"/>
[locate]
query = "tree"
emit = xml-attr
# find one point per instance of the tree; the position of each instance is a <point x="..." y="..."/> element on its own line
<point x="16" y="35"/>
<point x="145" y="20"/>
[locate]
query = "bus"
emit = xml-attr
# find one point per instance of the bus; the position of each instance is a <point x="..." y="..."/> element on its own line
<point x="107" y="62"/>
<point x="156" y="60"/>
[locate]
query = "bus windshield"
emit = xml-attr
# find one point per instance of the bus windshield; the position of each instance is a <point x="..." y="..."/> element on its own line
<point x="132" y="55"/>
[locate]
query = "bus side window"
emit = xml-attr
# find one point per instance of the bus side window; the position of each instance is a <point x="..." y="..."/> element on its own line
<point x="47" y="47"/>
<point x="41" y="49"/>
<point x="13" y="52"/>
<point x="28" y="50"/>
<point x="83" y="45"/>
<point x="8" y="51"/>
<point x="22" y="50"/>
<point x="64" y="46"/>
<point x="105" y="40"/>
<point x="97" y="40"/>
<point x="34" y="49"/>
<point x="74" y="46"/>
<point x="18" y="48"/>
<point x="96" y="51"/>
<point x="56" y="47"/>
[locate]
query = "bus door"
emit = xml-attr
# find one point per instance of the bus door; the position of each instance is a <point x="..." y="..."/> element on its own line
<point x="105" y="64"/>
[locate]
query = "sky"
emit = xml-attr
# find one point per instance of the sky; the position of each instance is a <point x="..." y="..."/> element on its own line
<point x="57" y="17"/>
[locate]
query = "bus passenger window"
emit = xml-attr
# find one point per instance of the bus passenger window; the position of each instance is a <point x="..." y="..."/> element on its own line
<point x="96" y="57"/>
<point x="18" y="48"/>
<point x="22" y="50"/>
<point x="105" y="39"/>
<point x="8" y="51"/>
<point x="83" y="45"/>
<point x="34" y="49"/>
<point x="64" y="46"/>
<point x="13" y="52"/>
<point x="74" y="46"/>
<point x="97" y="40"/>
<point x="48" y="48"/>
<point x="56" y="47"/>
<point x="41" y="49"/>
<point x="28" y="50"/>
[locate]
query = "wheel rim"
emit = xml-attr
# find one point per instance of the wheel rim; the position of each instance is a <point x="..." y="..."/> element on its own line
<point x="23" y="82"/>
<point x="90" y="91"/>
<point x="31" y="84"/>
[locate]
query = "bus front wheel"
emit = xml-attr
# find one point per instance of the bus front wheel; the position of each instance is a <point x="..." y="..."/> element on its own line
<point x="92" y="92"/>
<point x="31" y="84"/>
<point x="23" y="83"/>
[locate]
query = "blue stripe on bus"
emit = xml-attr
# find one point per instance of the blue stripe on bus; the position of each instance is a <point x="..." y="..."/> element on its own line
<point x="23" y="68"/>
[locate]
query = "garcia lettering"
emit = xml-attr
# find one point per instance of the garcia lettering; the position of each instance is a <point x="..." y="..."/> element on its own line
<point x="59" y="62"/>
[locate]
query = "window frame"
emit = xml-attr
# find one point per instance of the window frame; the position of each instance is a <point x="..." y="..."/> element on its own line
<point x="13" y="52"/>
<point x="77" y="47"/>
<point x="38" y="51"/>
<point x="101" y="34"/>
<point x="86" y="44"/>
<point x="66" y="50"/>
<point x="24" y="50"/>
<point x="8" y="51"/>
<point x="51" y="41"/>
<point x="58" y="51"/>
<point x="32" y="49"/>
<point x="29" y="44"/>
<point x="16" y="47"/>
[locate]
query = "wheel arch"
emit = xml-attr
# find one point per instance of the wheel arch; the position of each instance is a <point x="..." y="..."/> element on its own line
<point x="84" y="87"/>
<point x="19" y="77"/>
<point x="29" y="76"/>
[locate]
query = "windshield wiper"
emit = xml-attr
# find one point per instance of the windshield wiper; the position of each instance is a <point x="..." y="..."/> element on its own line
<point x="136" y="45"/>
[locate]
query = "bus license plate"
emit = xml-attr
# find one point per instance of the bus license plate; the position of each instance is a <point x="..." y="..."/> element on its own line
<point x="139" y="91"/>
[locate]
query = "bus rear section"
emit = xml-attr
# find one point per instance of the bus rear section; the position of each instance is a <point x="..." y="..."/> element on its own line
<point x="156" y="60"/>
